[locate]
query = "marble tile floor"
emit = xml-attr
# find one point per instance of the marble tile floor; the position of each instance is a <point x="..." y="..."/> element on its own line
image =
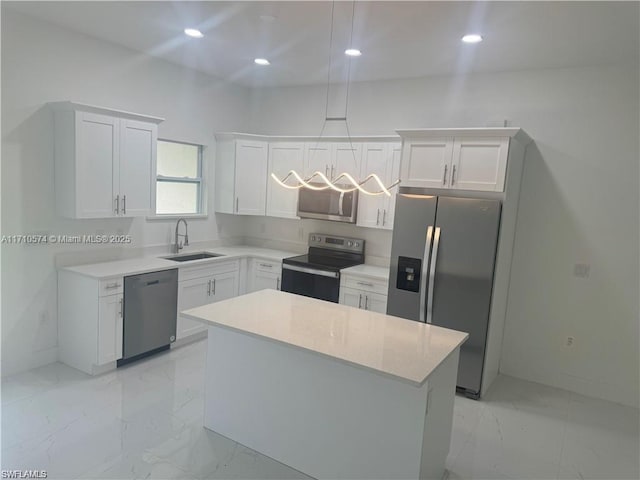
<point x="145" y="421"/>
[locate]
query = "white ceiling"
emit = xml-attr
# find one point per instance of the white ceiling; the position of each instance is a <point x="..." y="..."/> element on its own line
<point x="398" y="39"/>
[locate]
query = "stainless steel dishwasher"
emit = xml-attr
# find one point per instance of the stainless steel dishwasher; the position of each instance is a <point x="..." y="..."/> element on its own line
<point x="150" y="313"/>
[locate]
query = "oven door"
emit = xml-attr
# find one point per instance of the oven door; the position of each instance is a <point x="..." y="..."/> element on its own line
<point x="311" y="282"/>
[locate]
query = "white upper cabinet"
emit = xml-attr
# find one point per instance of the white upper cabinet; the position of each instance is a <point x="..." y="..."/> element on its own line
<point x="347" y="158"/>
<point x="138" y="147"/>
<point x="104" y="161"/>
<point x="383" y="159"/>
<point x="333" y="158"/>
<point x="479" y="164"/>
<point x="244" y="164"/>
<point x="251" y="176"/>
<point x="283" y="157"/>
<point x="318" y="157"/>
<point x="462" y="159"/>
<point x="427" y="163"/>
<point x="241" y="175"/>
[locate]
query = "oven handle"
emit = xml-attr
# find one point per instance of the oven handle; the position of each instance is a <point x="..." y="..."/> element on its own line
<point x="312" y="271"/>
<point x="341" y="204"/>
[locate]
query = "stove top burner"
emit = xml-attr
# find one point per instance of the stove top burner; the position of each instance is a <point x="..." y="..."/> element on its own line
<point x="323" y="262"/>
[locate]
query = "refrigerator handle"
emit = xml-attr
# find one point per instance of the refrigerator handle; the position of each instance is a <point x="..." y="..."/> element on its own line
<point x="432" y="274"/>
<point x="423" y="275"/>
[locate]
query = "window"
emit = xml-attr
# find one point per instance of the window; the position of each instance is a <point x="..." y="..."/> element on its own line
<point x="179" y="178"/>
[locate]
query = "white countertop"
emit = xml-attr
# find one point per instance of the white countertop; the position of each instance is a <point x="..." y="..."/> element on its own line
<point x="135" y="266"/>
<point x="371" y="271"/>
<point x="407" y="350"/>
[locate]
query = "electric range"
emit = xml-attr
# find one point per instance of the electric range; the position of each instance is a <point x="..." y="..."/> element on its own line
<point x="317" y="274"/>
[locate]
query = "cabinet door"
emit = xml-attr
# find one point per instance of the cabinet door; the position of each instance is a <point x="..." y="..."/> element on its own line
<point x="371" y="207"/>
<point x="264" y="280"/>
<point x="224" y="285"/>
<point x="427" y="163"/>
<point x="351" y="297"/>
<point x="109" y="329"/>
<point x="96" y="165"/>
<point x="479" y="163"/>
<point x="283" y="157"/>
<point x="317" y="157"/>
<point x="192" y="293"/>
<point x="138" y="142"/>
<point x="393" y="164"/>
<point x="374" y="302"/>
<point x="251" y="177"/>
<point x="347" y="158"/>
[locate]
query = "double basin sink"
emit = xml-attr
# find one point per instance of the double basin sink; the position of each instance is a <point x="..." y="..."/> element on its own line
<point x="187" y="257"/>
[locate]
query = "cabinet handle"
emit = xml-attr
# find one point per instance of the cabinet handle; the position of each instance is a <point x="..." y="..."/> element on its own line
<point x="214" y="286"/>
<point x="453" y="175"/>
<point x="278" y="283"/>
<point x="366" y="302"/>
<point x="209" y="288"/>
<point x="117" y="204"/>
<point x="326" y="170"/>
<point x="266" y="265"/>
<point x="378" y="217"/>
<point x="444" y="177"/>
<point x="365" y="284"/>
<point x="332" y="172"/>
<point x="384" y="217"/>
<point x="237" y="204"/>
<point x="124" y="204"/>
<point x="360" y="301"/>
<point x="120" y="312"/>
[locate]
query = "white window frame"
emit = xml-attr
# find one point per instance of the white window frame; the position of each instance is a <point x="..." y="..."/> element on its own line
<point x="199" y="180"/>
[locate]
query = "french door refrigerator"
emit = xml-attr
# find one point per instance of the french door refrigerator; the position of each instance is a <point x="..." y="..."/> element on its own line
<point x="442" y="264"/>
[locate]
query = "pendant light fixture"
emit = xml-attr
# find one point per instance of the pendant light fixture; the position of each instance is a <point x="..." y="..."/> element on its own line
<point x="344" y="182"/>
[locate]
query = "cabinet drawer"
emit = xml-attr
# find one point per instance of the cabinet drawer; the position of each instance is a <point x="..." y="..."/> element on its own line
<point x="369" y="284"/>
<point x="111" y="286"/>
<point x="207" y="270"/>
<point x="267" y="266"/>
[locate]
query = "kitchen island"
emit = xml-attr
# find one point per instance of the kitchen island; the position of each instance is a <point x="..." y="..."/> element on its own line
<point x="330" y="390"/>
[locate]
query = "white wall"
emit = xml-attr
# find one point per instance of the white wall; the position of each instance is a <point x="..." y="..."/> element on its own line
<point x="43" y="63"/>
<point x="579" y="204"/>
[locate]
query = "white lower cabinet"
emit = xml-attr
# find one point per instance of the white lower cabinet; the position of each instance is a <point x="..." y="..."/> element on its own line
<point x="374" y="302"/>
<point x="110" y="328"/>
<point x="264" y="274"/>
<point x="89" y="321"/>
<point x="364" y="292"/>
<point x="201" y="285"/>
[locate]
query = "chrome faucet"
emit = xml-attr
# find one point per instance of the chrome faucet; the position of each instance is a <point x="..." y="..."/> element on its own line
<point x="179" y="246"/>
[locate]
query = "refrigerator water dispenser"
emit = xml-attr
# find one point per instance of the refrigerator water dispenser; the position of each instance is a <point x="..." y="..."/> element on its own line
<point x="408" y="277"/>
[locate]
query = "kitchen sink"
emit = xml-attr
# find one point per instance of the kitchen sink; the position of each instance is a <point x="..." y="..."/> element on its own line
<point x="193" y="256"/>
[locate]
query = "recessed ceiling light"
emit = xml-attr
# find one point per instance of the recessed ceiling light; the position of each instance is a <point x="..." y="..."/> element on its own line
<point x="193" y="32"/>
<point x="472" y="38"/>
<point x="353" y="52"/>
<point x="262" y="61"/>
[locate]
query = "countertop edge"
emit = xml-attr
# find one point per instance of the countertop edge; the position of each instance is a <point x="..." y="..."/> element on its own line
<point x="413" y="382"/>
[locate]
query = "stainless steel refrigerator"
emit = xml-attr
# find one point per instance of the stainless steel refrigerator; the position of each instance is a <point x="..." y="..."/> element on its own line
<point x="442" y="264"/>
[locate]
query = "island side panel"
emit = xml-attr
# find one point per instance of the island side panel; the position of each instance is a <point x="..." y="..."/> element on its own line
<point x="439" y="419"/>
<point x="314" y="413"/>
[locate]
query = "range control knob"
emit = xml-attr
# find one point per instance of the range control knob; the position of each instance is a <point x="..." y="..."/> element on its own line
<point x="313" y="238"/>
<point x="357" y="244"/>
<point x="349" y="243"/>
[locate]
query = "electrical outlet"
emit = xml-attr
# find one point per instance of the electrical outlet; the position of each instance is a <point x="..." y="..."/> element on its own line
<point x="581" y="270"/>
<point x="569" y="342"/>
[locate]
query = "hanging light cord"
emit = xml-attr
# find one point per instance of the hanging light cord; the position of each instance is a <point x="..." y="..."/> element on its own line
<point x="326" y="182"/>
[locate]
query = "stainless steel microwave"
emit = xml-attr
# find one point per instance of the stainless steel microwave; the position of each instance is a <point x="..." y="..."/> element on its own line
<point x="327" y="204"/>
